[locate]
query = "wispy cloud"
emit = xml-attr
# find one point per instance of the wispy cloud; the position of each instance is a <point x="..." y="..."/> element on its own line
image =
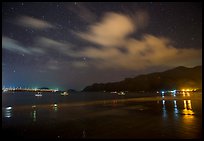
<point x="79" y="64"/>
<point x="56" y="46"/>
<point x="35" y="23"/>
<point x="37" y="50"/>
<point x="16" y="47"/>
<point x="47" y="42"/>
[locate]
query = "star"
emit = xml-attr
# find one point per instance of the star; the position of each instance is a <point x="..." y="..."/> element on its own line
<point x="14" y="71"/>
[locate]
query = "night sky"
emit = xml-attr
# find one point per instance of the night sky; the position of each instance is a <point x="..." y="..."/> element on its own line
<point x="72" y="45"/>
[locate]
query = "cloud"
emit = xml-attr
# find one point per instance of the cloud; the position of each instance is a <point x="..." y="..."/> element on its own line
<point x="142" y="54"/>
<point x="79" y="64"/>
<point x="37" y="50"/>
<point x="95" y="53"/>
<point x="15" y="47"/>
<point x="51" y="44"/>
<point x="111" y="31"/>
<point x="112" y="36"/>
<point x="33" y="23"/>
<point x="157" y="51"/>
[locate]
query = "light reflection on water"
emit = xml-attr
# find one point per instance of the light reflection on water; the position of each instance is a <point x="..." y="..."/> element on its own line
<point x="55" y="107"/>
<point x="34" y="115"/>
<point x="7" y="112"/>
<point x="175" y="109"/>
<point x="164" y="109"/>
<point x="187" y="108"/>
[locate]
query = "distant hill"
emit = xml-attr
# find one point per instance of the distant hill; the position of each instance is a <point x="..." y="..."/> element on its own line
<point x="71" y="90"/>
<point x="44" y="88"/>
<point x="177" y="78"/>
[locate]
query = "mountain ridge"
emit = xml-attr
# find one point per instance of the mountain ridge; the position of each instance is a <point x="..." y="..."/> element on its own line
<point x="176" y="78"/>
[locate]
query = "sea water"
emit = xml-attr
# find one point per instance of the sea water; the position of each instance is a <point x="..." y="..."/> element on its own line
<point x="102" y="115"/>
